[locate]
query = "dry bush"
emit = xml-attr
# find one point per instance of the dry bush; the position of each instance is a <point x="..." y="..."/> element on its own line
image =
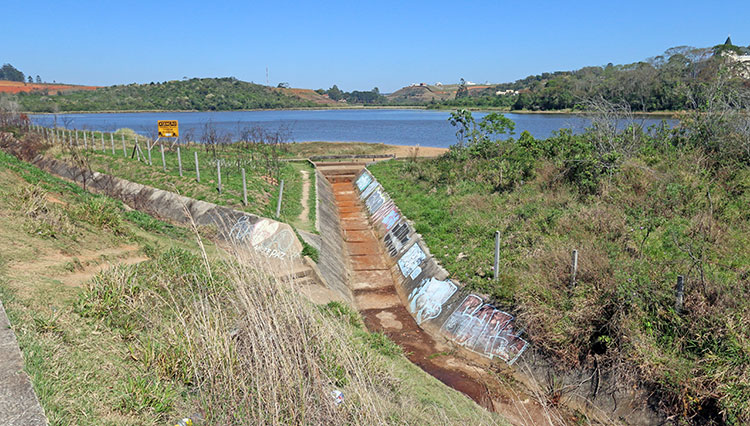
<point x="47" y="220"/>
<point x="251" y="350"/>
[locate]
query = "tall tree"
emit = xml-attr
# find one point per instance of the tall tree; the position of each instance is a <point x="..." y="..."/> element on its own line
<point x="9" y="72"/>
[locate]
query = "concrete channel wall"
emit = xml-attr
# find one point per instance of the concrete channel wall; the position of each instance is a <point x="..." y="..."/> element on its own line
<point x="436" y="301"/>
<point x="333" y="257"/>
<point x="443" y="307"/>
<point x="272" y="238"/>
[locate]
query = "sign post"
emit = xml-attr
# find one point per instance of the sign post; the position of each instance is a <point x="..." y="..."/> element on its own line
<point x="168" y="129"/>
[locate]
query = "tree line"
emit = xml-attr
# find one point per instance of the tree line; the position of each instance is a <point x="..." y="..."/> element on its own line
<point x="661" y="83"/>
<point x="11" y="73"/>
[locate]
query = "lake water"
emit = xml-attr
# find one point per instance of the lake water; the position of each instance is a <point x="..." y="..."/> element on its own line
<point x="390" y="126"/>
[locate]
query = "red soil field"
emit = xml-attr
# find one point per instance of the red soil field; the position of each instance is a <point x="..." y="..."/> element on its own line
<point x="18" y="87"/>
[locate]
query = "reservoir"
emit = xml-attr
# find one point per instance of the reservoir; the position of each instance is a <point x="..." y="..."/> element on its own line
<point x="390" y="126"/>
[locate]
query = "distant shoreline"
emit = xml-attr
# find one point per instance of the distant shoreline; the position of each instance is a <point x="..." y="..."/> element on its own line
<point x="671" y="114"/>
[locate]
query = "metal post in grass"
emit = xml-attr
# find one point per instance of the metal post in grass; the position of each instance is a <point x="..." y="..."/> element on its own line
<point x="573" y="268"/>
<point x="218" y="174"/>
<point x="124" y="150"/>
<point x="679" y="294"/>
<point x="244" y="188"/>
<point x="112" y="141"/>
<point x="163" y="161"/>
<point x="197" y="170"/>
<point x="278" y="203"/>
<point x="149" y="146"/>
<point x="179" y="160"/>
<point x="496" y="273"/>
<point x="85" y="141"/>
<point x="76" y="137"/>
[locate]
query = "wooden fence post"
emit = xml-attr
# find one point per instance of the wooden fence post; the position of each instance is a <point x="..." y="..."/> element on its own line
<point x="179" y="160"/>
<point x="679" y="296"/>
<point x="218" y="174"/>
<point x="244" y="188"/>
<point x="278" y="203"/>
<point x="574" y="268"/>
<point x="496" y="273"/>
<point x="197" y="171"/>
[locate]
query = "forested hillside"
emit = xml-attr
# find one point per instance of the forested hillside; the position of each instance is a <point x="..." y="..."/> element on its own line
<point x="201" y="94"/>
<point x="662" y="83"/>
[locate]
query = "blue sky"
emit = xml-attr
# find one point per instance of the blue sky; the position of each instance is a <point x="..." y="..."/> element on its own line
<point x="357" y="45"/>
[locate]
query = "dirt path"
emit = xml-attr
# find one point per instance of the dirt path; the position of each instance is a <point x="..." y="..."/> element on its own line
<point x="76" y="270"/>
<point x="303" y="217"/>
<point x="378" y="301"/>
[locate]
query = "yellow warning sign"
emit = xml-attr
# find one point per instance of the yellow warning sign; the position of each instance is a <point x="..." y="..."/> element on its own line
<point x="168" y="128"/>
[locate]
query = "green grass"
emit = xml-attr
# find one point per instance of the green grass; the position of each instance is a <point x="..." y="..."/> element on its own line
<point x="112" y="350"/>
<point x="262" y="186"/>
<point x="662" y="214"/>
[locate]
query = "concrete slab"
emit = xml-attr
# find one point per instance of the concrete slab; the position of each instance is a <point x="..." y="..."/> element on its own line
<point x="19" y="405"/>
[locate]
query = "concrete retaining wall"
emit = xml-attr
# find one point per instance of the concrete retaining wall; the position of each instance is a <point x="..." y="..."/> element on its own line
<point x="444" y="308"/>
<point x="269" y="237"/>
<point x="434" y="300"/>
<point x="333" y="257"/>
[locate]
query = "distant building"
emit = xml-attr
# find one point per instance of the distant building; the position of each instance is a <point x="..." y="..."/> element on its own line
<point x="506" y="92"/>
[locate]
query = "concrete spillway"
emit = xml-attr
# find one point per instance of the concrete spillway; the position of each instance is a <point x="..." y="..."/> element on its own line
<point x="377" y="299"/>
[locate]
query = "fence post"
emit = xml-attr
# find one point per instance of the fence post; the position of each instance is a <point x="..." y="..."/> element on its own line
<point x="85" y="142"/>
<point x="124" y="150"/>
<point x="148" y="146"/>
<point x="679" y="296"/>
<point x="197" y="170"/>
<point x="574" y="268"/>
<point x="244" y="188"/>
<point x="103" y="148"/>
<point x="278" y="203"/>
<point x="112" y="141"/>
<point x="496" y="272"/>
<point x="76" y="137"/>
<point x="218" y="173"/>
<point x="179" y="160"/>
<point x="163" y="161"/>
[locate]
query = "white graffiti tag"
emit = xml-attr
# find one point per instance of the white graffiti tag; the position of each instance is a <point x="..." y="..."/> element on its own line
<point x="485" y="330"/>
<point x="426" y="301"/>
<point x="264" y="236"/>
<point x="363" y="181"/>
<point x="411" y="260"/>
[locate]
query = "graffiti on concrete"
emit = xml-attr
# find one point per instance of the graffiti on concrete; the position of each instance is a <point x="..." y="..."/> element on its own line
<point x="375" y="200"/>
<point x="396" y="238"/>
<point x="363" y="180"/>
<point x="391" y="218"/>
<point x="264" y="236"/>
<point x="241" y="230"/>
<point x="369" y="190"/>
<point x="485" y="330"/>
<point x="411" y="260"/>
<point x="426" y="301"/>
<point x="383" y="209"/>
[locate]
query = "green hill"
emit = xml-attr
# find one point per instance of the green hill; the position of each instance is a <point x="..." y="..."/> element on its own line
<point x="197" y="94"/>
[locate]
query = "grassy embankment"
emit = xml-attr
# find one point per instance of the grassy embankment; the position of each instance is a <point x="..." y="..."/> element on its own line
<point x="677" y="206"/>
<point x="169" y="332"/>
<point x="262" y="178"/>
